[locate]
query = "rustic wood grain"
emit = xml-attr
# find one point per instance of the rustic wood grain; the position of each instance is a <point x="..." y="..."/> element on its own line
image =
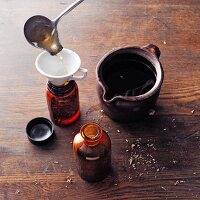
<point x="165" y="147"/>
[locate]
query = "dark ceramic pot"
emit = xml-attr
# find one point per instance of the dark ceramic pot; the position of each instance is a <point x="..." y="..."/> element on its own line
<point x="117" y="104"/>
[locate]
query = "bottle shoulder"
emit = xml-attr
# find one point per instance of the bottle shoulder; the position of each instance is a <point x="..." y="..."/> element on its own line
<point x="103" y="146"/>
<point x="63" y="90"/>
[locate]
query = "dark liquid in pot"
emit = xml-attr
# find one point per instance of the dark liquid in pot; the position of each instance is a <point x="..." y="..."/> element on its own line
<point x="128" y="77"/>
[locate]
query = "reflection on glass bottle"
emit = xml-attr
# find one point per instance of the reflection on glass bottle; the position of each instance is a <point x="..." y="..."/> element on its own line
<point x="63" y="103"/>
<point x="92" y="148"/>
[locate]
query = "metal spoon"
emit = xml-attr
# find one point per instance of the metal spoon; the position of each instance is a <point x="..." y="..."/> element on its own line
<point x="41" y="32"/>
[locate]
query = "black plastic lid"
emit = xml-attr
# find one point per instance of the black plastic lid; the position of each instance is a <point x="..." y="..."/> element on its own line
<point x="40" y="131"/>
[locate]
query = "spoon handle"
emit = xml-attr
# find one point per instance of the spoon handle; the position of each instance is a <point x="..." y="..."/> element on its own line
<point x="67" y="10"/>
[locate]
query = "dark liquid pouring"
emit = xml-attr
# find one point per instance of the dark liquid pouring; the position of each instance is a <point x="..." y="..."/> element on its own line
<point x="128" y="78"/>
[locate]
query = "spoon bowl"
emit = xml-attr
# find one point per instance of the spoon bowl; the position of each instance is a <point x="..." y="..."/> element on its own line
<point x="41" y="32"/>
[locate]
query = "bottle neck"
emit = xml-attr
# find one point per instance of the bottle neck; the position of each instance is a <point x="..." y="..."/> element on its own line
<point x="91" y="134"/>
<point x="62" y="89"/>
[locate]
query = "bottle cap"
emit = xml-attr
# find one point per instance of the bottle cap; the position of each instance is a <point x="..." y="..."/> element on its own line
<point x="39" y="131"/>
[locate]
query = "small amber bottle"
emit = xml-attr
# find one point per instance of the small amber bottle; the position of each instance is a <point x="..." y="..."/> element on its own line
<point x="63" y="103"/>
<point x="92" y="149"/>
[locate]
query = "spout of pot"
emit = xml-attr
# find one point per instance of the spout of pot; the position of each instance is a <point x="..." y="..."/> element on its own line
<point x="104" y="93"/>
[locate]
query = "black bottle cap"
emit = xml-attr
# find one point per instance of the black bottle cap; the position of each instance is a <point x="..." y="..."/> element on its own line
<point x="40" y="131"/>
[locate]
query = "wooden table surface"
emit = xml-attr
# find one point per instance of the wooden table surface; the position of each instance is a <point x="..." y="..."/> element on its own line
<point x="165" y="147"/>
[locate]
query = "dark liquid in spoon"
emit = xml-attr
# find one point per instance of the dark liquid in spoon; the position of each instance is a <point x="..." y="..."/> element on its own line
<point x="50" y="42"/>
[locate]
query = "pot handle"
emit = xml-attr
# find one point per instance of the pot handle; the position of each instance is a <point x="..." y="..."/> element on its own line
<point x="152" y="49"/>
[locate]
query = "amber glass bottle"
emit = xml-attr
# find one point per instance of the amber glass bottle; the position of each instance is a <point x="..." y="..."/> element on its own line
<point x="63" y="103"/>
<point x="92" y="148"/>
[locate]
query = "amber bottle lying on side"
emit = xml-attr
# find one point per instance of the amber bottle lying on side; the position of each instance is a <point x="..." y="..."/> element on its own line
<point x="92" y="149"/>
